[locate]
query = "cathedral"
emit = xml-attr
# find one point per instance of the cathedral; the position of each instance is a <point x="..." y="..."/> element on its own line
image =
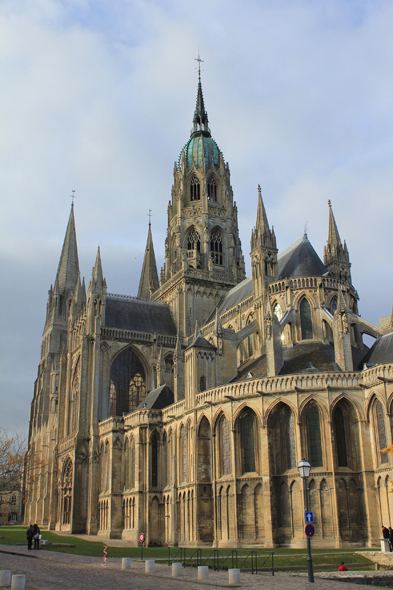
<point x="183" y="412"/>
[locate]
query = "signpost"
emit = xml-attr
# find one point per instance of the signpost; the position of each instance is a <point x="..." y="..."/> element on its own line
<point x="142" y="540"/>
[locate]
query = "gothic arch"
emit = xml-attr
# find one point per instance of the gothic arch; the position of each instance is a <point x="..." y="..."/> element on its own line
<point x="312" y="428"/>
<point x="305" y="317"/>
<point x="371" y="400"/>
<point x="274" y="404"/>
<point x="128" y="381"/>
<point x="247" y="435"/>
<point x="67" y="484"/>
<point x="281" y="437"/>
<point x="217" y="246"/>
<point x="212" y="185"/>
<point x="222" y="431"/>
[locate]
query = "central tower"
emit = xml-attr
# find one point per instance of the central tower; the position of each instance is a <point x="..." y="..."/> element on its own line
<point x="203" y="255"/>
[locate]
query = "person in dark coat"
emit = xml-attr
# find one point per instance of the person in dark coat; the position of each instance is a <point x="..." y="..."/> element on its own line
<point x="36" y="532"/>
<point x="390" y="537"/>
<point x="385" y="533"/>
<point x="30" y="535"/>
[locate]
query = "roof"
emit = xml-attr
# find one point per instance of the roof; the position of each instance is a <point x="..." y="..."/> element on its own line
<point x="381" y="351"/>
<point x="201" y="343"/>
<point x="68" y="269"/>
<point x="130" y="313"/>
<point x="300" y="260"/>
<point x="233" y="297"/>
<point x="158" y="399"/>
<point x="196" y="147"/>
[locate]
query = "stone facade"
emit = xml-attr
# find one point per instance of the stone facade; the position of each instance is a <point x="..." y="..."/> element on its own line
<point x="184" y="412"/>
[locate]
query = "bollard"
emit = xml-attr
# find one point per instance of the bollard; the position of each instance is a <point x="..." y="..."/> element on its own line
<point x="177" y="569"/>
<point x="203" y="572"/>
<point x="5" y="578"/>
<point x="126" y="563"/>
<point x="149" y="566"/>
<point x="18" y="582"/>
<point x="234" y="576"/>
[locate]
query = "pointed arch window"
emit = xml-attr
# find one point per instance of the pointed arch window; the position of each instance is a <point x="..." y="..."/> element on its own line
<point x="277" y="310"/>
<point x="194" y="240"/>
<point x="132" y="464"/>
<point x="216" y="247"/>
<point x="333" y="305"/>
<point x="128" y="386"/>
<point x="341" y="443"/>
<point x="380" y="431"/>
<point x="195" y="189"/>
<point x="306" y="320"/>
<point x="212" y="189"/>
<point x="154" y="460"/>
<point x="224" y="437"/>
<point x="314" y="437"/>
<point x="247" y="437"/>
<point x="289" y="438"/>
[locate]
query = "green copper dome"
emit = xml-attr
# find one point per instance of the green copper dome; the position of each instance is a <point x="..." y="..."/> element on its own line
<point x="201" y="144"/>
<point x="196" y="147"/>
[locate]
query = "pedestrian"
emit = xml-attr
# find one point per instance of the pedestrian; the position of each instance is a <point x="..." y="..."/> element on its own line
<point x="36" y="532"/>
<point x="390" y="537"/>
<point x="30" y="535"/>
<point x="385" y="533"/>
<point x="342" y="567"/>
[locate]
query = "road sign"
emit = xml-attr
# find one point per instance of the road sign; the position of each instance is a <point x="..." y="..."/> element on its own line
<point x="309" y="516"/>
<point x="142" y="537"/>
<point x="310" y="530"/>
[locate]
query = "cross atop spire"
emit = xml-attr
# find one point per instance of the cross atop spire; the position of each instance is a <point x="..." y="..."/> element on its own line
<point x="200" y="120"/>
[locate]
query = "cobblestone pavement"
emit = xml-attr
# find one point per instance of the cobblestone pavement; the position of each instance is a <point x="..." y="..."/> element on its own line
<point x="46" y="570"/>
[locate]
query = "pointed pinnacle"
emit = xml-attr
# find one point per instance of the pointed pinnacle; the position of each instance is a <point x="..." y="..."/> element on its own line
<point x="333" y="235"/>
<point x="262" y="222"/>
<point x="68" y="269"/>
<point x="98" y="276"/>
<point x="149" y="276"/>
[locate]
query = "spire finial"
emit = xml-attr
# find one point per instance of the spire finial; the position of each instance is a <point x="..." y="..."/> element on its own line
<point x="149" y="216"/>
<point x="330" y="204"/>
<point x="305" y="229"/>
<point x="73" y="196"/>
<point x="199" y="60"/>
<point x="259" y="190"/>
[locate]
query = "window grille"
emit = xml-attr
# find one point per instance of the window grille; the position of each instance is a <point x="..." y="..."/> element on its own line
<point x="212" y="189"/>
<point x="314" y="437"/>
<point x="195" y="189"/>
<point x="216" y="247"/>
<point x="306" y="320"/>
<point x="128" y="387"/>
<point x="341" y="443"/>
<point x="247" y="425"/>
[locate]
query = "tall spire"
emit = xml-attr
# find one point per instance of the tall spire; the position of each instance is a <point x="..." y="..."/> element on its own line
<point x="200" y="120"/>
<point x="149" y="276"/>
<point x="262" y="223"/>
<point x="97" y="276"/>
<point x="68" y="269"/>
<point x="336" y="255"/>
<point x="333" y="235"/>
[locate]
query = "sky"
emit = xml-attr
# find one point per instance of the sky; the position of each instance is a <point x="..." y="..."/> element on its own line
<point x="98" y="96"/>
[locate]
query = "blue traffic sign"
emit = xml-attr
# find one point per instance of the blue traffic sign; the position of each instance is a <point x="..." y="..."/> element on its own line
<point x="309" y="516"/>
<point x="310" y="530"/>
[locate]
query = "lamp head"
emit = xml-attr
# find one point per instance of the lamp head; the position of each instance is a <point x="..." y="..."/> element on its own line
<point x="304" y="468"/>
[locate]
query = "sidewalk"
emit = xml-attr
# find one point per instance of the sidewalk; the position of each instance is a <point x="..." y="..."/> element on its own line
<point x="46" y="570"/>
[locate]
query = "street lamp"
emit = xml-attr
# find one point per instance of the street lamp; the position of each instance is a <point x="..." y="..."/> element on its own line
<point x="304" y="470"/>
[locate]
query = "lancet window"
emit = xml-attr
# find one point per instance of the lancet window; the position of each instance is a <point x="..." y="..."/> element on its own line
<point x="67" y="493"/>
<point x="212" y="189"/>
<point x="224" y="438"/>
<point x="277" y="310"/>
<point x="314" y="437"/>
<point x="195" y="189"/>
<point x="154" y="460"/>
<point x="341" y="443"/>
<point x="216" y="247"/>
<point x="380" y="431"/>
<point x="306" y="320"/>
<point x="247" y="438"/>
<point x="333" y="305"/>
<point x="193" y="240"/>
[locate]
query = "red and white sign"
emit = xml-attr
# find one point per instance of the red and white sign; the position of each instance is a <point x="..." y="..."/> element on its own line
<point x="310" y="530"/>
<point x="142" y="537"/>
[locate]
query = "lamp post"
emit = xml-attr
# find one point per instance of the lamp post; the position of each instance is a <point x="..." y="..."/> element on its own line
<point x="304" y="470"/>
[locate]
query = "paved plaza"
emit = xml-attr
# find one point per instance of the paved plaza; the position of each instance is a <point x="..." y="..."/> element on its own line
<point x="46" y="570"/>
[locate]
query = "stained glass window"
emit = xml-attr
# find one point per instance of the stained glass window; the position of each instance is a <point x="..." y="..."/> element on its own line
<point x="225" y="446"/>
<point x="278" y="311"/>
<point x="154" y="460"/>
<point x="127" y="388"/>
<point x="247" y="425"/>
<point x="333" y="305"/>
<point x="250" y="345"/>
<point x="194" y="240"/>
<point x="132" y="463"/>
<point x="128" y="466"/>
<point x="314" y="437"/>
<point x="381" y="431"/>
<point x="290" y="439"/>
<point x="306" y="320"/>
<point x="341" y="442"/>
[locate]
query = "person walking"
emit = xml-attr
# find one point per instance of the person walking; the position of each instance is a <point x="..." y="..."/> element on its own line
<point x="30" y="535"/>
<point x="342" y="567"/>
<point x="36" y="532"/>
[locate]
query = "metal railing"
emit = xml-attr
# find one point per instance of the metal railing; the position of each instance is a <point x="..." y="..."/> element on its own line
<point x="218" y="559"/>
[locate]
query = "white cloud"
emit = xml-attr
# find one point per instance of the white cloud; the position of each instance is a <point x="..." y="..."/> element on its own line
<point x="99" y="96"/>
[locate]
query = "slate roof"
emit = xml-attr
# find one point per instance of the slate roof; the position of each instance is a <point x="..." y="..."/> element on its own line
<point x="128" y="313"/>
<point x="233" y="297"/>
<point x="157" y="399"/>
<point x="201" y="342"/>
<point x="381" y="351"/>
<point x="300" y="260"/>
